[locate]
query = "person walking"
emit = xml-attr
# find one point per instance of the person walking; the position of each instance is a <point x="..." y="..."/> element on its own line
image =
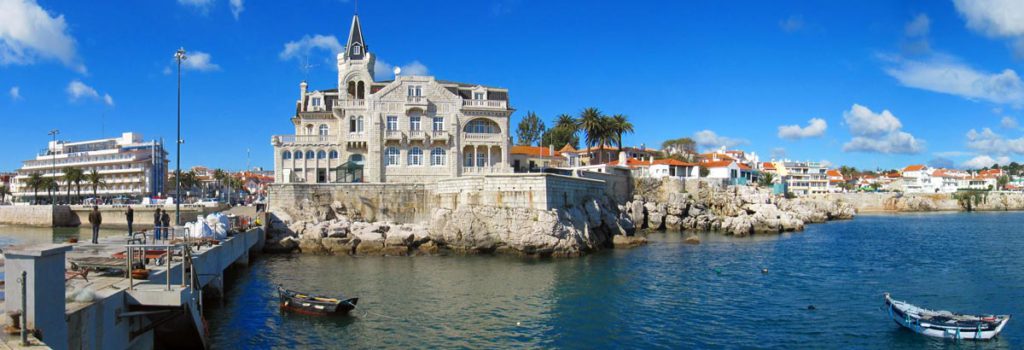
<point x="129" y="216"/>
<point x="95" y="218"/>
<point x="166" y="220"/>
<point x="156" y="224"/>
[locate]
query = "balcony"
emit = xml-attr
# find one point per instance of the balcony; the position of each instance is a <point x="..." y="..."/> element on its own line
<point x="393" y="135"/>
<point x="350" y="104"/>
<point x="439" y="135"/>
<point x="486" y="104"/>
<point x="414" y="101"/>
<point x="482" y="137"/>
<point x="416" y="135"/>
<point x="284" y="140"/>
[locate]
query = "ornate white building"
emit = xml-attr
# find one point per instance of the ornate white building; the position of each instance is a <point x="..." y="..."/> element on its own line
<point x="410" y="129"/>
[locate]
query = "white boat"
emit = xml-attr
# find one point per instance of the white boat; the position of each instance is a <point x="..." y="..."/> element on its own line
<point x="945" y="324"/>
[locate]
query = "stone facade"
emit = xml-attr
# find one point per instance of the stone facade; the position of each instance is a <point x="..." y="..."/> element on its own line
<point x="413" y="129"/>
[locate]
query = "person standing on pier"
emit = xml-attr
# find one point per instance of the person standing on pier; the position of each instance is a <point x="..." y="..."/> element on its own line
<point x="166" y="220"/>
<point x="129" y="216"/>
<point x="156" y="224"/>
<point x="95" y="218"/>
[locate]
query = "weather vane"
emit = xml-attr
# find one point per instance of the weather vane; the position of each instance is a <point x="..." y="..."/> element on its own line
<point x="305" y="68"/>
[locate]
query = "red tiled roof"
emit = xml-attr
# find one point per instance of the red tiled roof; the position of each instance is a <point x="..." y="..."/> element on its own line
<point x="914" y="167"/>
<point x="670" y="161"/>
<point x="533" y="151"/>
<point x="833" y="172"/>
<point x="717" y="164"/>
<point x="567" y="148"/>
<point x="631" y="162"/>
<point x="744" y="166"/>
<point x="768" y="166"/>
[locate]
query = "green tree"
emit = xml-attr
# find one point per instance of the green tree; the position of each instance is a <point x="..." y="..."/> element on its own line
<point x="766" y="179"/>
<point x="1002" y="181"/>
<point x="568" y="122"/>
<point x="531" y="128"/>
<point x="4" y="192"/>
<point x="50" y="184"/>
<point x="72" y="175"/>
<point x="594" y="124"/>
<point x="35" y="181"/>
<point x="619" y="124"/>
<point x="683" y="145"/>
<point x="559" y="137"/>
<point x="95" y="180"/>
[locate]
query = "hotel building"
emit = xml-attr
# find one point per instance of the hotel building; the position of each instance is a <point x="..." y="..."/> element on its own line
<point x="129" y="166"/>
<point x="412" y="129"/>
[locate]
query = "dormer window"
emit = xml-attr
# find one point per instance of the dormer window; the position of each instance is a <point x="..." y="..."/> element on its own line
<point x="356" y="50"/>
<point x="316" y="102"/>
<point x="415" y="90"/>
<point x="478" y="96"/>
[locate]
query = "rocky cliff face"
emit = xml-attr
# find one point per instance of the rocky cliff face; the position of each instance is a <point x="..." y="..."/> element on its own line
<point x="738" y="210"/>
<point x="570" y="231"/>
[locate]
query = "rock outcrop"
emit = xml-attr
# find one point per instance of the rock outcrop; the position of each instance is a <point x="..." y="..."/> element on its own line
<point x="736" y="210"/>
<point x="470" y="228"/>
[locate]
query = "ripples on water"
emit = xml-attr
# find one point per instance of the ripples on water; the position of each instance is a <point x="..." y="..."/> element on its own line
<point x="665" y="295"/>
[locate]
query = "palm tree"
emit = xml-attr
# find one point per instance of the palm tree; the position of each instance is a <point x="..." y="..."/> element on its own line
<point x="71" y="175"/>
<point x="35" y="181"/>
<point x="4" y="192"/>
<point x="766" y="179"/>
<point x="591" y="122"/>
<point x="50" y="183"/>
<point x="566" y="121"/>
<point x="219" y="176"/>
<point x="619" y="124"/>
<point x="77" y="177"/>
<point x="94" y="179"/>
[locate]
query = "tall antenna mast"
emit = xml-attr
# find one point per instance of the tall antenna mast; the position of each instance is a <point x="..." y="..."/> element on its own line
<point x="305" y="68"/>
<point x="356" y="11"/>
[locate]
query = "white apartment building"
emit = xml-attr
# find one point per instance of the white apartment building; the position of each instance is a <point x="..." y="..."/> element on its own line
<point x="803" y="178"/>
<point x="410" y="129"/>
<point x="129" y="166"/>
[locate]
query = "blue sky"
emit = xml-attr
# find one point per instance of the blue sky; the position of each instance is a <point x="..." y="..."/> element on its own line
<point x="864" y="83"/>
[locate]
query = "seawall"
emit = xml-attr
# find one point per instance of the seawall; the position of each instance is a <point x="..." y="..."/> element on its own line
<point x="923" y="202"/>
<point x="78" y="215"/>
<point x="37" y="215"/>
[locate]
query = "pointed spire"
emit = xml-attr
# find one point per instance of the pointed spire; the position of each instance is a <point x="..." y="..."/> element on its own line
<point x="356" y="47"/>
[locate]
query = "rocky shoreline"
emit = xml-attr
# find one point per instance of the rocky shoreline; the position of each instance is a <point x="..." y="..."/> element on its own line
<point x="737" y="210"/>
<point x="470" y="229"/>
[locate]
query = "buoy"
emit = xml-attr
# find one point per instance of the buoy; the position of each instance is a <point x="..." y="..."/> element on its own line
<point x="764" y="271"/>
<point x="811" y="307"/>
<point x="519" y="323"/>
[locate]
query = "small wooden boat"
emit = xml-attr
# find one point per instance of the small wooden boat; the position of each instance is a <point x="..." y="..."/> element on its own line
<point x="314" y="304"/>
<point x="945" y="324"/>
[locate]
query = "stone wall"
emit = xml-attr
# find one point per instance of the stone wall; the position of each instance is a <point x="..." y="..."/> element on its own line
<point x="921" y="202"/>
<point x="113" y="215"/>
<point x="37" y="215"/>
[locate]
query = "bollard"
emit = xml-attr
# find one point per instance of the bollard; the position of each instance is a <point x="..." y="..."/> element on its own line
<point x="24" y="307"/>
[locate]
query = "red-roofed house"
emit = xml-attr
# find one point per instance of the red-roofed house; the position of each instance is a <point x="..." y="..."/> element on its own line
<point x="534" y="158"/>
<point x="659" y="168"/>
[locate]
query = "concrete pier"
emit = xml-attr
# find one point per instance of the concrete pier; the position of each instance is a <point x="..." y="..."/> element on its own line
<point x="111" y="310"/>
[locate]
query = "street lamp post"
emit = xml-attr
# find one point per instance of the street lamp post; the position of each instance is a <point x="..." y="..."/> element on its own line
<point x="178" y="57"/>
<point x="53" y="167"/>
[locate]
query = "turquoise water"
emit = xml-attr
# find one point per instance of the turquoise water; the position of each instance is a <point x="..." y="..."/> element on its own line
<point x="666" y="295"/>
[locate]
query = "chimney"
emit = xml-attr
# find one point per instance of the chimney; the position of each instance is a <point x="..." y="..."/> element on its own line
<point x="650" y="160"/>
<point x="551" y="150"/>
<point x="302" y="91"/>
<point x="622" y="158"/>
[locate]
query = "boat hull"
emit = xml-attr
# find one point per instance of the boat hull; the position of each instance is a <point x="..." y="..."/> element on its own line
<point x="905" y="317"/>
<point x="315" y="305"/>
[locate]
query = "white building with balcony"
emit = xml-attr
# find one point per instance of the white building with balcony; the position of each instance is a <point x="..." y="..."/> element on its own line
<point x="410" y="129"/>
<point x="128" y="165"/>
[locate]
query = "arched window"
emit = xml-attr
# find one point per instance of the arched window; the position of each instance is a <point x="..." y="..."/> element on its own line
<point x="482" y="126"/>
<point x="391" y="156"/>
<point x="321" y="155"/>
<point x="415" y="156"/>
<point x="356" y="159"/>
<point x="298" y="154"/>
<point x="467" y="159"/>
<point x="437" y="156"/>
<point x="286" y="155"/>
<point x="324" y="129"/>
<point x="332" y="154"/>
<point x="309" y="154"/>
<point x="360" y="90"/>
<point x="309" y="129"/>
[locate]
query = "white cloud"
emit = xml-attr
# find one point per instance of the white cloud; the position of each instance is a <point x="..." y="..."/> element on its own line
<point x="998" y="18"/>
<point x="28" y="32"/>
<point x="709" y="139"/>
<point x="200" y="5"/>
<point x="778" y="153"/>
<point x="815" y="128"/>
<point x="384" y="71"/>
<point x="77" y="90"/>
<point x="792" y="24"/>
<point x="944" y="74"/>
<point x="984" y="161"/>
<point x="302" y="47"/>
<point x="237" y="6"/>
<point x="918" y="27"/>
<point x="878" y="133"/>
<point x="863" y="122"/>
<point x="987" y="141"/>
<point x="1009" y="122"/>
<point x="199" y="61"/>
<point x="15" y="93"/>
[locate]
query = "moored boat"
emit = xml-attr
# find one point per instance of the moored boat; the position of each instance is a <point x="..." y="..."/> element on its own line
<point x="944" y="324"/>
<point x="314" y="304"/>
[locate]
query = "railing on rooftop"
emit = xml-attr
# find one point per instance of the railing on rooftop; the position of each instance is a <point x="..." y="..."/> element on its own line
<point x="303" y="139"/>
<point x="485" y="103"/>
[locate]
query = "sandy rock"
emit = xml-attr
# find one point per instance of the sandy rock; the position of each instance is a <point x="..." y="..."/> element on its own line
<point x="621" y="241"/>
<point x="369" y="247"/>
<point x="311" y="246"/>
<point x="692" y="239"/>
<point x="339" y="246"/>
